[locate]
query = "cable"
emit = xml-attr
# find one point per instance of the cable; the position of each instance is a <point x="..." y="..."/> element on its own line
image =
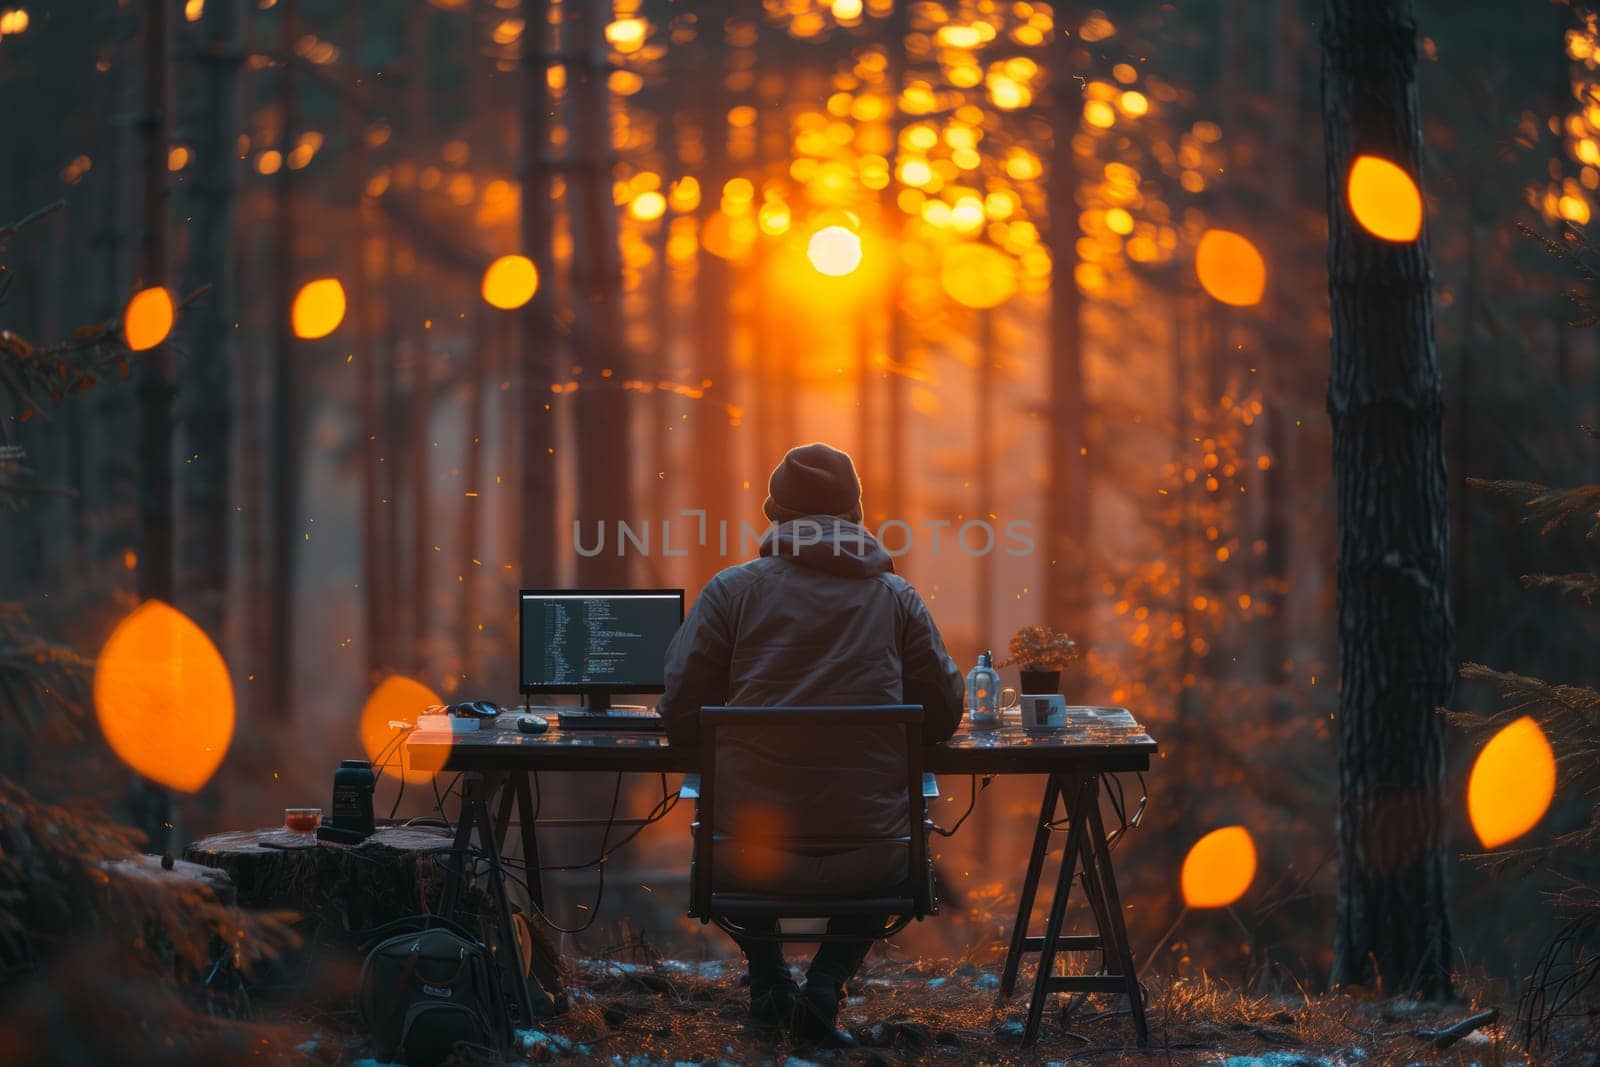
<point x="662" y="809"/>
<point x="605" y="838"/>
<point x="1120" y="804"/>
<point x="594" y="912"/>
<point x="394" y="747"/>
<point x="439" y="800"/>
<point x="507" y="867"/>
<point x="972" y="802"/>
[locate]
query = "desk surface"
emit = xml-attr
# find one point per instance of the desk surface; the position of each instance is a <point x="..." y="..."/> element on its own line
<point x="1110" y="741"/>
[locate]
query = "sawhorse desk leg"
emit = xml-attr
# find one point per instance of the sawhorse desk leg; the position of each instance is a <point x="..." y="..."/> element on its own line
<point x="1086" y="843"/>
<point x="475" y="818"/>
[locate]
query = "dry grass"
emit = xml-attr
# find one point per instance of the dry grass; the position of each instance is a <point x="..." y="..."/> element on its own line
<point x="946" y="1012"/>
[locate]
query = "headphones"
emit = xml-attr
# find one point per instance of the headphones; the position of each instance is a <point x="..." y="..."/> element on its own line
<point x="473" y="709"/>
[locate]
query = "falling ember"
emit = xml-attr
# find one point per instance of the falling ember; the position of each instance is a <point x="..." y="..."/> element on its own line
<point x="148" y="318"/>
<point x="1230" y="268"/>
<point x="163" y="697"/>
<point x="1219" y="868"/>
<point x="1384" y="199"/>
<point x="510" y="282"/>
<point x="318" y="308"/>
<point x="1512" y="783"/>
<point x="834" y="251"/>
<point x="396" y="699"/>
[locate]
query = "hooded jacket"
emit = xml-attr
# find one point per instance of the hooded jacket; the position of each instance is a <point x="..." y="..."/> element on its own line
<point x="819" y="618"/>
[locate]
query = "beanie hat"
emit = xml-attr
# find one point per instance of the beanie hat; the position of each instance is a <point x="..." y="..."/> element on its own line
<point x="813" y="480"/>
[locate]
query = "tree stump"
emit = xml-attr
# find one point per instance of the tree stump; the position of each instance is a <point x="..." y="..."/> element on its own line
<point x="340" y="891"/>
<point x="344" y="892"/>
<point x="188" y="875"/>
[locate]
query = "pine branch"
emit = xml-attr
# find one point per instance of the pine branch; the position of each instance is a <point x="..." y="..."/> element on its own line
<point x="1580" y="584"/>
<point x="1552" y="506"/>
<point x="30" y="218"/>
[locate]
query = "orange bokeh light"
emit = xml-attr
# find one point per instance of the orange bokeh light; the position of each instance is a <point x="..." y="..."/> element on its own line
<point x="648" y="206"/>
<point x="147" y="320"/>
<point x="510" y="282"/>
<point x="627" y="35"/>
<point x="978" y="275"/>
<point x="1384" y="199"/>
<point x="1513" y="781"/>
<point x="163" y="697"/>
<point x="398" y="699"/>
<point x="834" y="251"/>
<point x="1219" y="868"/>
<point x="318" y="309"/>
<point x="755" y="858"/>
<point x="1230" y="268"/>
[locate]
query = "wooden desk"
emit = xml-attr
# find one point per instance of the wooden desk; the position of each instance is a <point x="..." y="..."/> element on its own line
<point x="1072" y="759"/>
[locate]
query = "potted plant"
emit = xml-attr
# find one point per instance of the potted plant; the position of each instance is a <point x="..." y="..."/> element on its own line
<point x="1042" y="654"/>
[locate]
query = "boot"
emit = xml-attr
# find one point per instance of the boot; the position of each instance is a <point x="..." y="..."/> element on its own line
<point x="816" y="1016"/>
<point x="772" y="1001"/>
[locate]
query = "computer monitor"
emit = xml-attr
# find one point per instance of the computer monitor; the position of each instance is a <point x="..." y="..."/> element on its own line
<point x="596" y="642"/>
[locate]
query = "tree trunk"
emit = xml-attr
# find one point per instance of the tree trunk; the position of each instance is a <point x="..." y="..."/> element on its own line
<point x="206" y="385"/>
<point x="896" y="350"/>
<point x="603" y="428"/>
<point x="714" y="283"/>
<point x="155" y="377"/>
<point x="377" y="434"/>
<point x="419" y="400"/>
<point x="1278" y="376"/>
<point x="284" y="517"/>
<point x="152" y="805"/>
<point x="537" y="342"/>
<point x="484" y="357"/>
<point x="419" y="468"/>
<point x="1068" y="566"/>
<point x="1395" y="627"/>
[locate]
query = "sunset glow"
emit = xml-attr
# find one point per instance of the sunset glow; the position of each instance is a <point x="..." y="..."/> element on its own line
<point x="978" y="275"/>
<point x="834" y="251"/>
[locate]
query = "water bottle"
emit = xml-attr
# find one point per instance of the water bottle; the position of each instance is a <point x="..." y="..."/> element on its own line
<point x="983" y="693"/>
<point x="353" y="784"/>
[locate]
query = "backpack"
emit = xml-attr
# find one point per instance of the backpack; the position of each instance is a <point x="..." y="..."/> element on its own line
<point x="425" y="992"/>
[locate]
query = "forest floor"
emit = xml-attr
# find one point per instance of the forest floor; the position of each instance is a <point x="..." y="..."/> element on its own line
<point x="671" y="1013"/>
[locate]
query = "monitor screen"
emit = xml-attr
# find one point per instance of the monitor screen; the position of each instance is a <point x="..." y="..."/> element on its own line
<point x="597" y="641"/>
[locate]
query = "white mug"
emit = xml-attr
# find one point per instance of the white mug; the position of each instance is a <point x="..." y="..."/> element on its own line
<point x="1043" y="711"/>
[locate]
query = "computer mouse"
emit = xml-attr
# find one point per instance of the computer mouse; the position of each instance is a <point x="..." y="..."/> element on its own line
<point x="533" y="724"/>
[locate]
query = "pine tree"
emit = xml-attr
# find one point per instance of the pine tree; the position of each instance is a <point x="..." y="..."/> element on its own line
<point x="1396" y="632"/>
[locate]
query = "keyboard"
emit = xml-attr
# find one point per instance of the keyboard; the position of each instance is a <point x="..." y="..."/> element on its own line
<point x="616" y="720"/>
<point x="691" y="786"/>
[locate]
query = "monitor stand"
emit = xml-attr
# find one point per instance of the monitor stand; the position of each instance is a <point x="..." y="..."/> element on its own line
<point x="597" y="703"/>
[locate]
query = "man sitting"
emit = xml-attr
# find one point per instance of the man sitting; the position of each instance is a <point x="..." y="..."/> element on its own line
<point x="819" y="618"/>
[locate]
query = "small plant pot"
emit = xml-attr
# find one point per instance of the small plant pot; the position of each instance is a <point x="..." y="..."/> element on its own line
<point x="1041" y="682"/>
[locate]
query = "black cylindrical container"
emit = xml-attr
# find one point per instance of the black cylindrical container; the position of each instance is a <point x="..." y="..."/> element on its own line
<point x="353" y="784"/>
